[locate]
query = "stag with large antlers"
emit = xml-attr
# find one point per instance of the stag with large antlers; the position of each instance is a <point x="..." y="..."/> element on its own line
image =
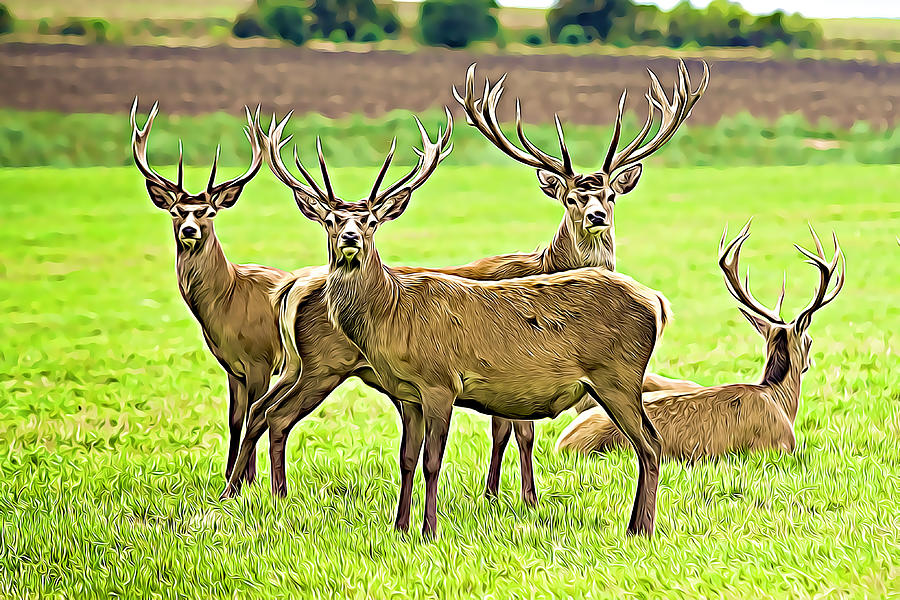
<point x="554" y="337"/>
<point x="586" y="236"/>
<point x="737" y="417"/>
<point x="231" y="302"/>
<point x="576" y="244"/>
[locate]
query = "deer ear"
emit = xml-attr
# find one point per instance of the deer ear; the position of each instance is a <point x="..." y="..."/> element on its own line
<point x="227" y="197"/>
<point x="627" y="179"/>
<point x="311" y="207"/>
<point x="760" y="324"/>
<point x="551" y="184"/>
<point x="393" y="206"/>
<point x="160" y="196"/>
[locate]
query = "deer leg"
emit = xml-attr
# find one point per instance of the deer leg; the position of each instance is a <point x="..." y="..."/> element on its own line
<point x="256" y="426"/>
<point x="500" y="431"/>
<point x="437" y="407"/>
<point x="237" y="408"/>
<point x="257" y="385"/>
<point x="304" y="398"/>
<point x="410" y="447"/>
<point x="627" y="411"/>
<point x="525" y="441"/>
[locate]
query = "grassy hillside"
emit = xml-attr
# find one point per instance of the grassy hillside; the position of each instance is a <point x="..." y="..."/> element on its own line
<point x="113" y="418"/>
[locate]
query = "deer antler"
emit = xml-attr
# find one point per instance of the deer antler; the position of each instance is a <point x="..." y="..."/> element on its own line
<point x="729" y="263"/>
<point x="482" y="114"/>
<point x="826" y="270"/>
<point x="673" y="115"/>
<point x="430" y="156"/>
<point x="255" y="161"/>
<point x="274" y="144"/>
<point x="139" y="139"/>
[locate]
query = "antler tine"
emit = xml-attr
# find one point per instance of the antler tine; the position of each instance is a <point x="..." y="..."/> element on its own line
<point x="617" y="131"/>
<point x="139" y="137"/>
<point x="212" y="172"/>
<point x="564" y="152"/>
<point x="430" y="156"/>
<point x="274" y="145"/>
<point x="826" y="270"/>
<point x="780" y="302"/>
<point x="324" y="169"/>
<point x="180" y="177"/>
<point x="729" y="261"/>
<point x="674" y="113"/>
<point x="314" y="189"/>
<point x="256" y="159"/>
<point x="482" y="114"/>
<point x="381" y="173"/>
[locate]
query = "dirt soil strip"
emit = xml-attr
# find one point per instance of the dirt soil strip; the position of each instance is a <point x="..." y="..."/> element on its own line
<point x="582" y="89"/>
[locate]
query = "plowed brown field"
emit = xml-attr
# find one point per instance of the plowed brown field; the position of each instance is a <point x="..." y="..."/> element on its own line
<point x="582" y="89"/>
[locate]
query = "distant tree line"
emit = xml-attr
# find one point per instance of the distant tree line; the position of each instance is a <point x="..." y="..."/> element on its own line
<point x="457" y="23"/>
<point x="721" y="23"/>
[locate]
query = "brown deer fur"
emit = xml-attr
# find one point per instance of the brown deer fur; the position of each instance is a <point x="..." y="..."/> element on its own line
<point x="230" y="302"/>
<point x="723" y="419"/>
<point x="553" y="338"/>
<point x="578" y="242"/>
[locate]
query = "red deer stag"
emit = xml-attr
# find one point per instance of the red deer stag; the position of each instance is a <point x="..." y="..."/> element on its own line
<point x="231" y="302"/>
<point x="552" y="339"/>
<point x="579" y="242"/>
<point x="731" y="418"/>
<point x="586" y="236"/>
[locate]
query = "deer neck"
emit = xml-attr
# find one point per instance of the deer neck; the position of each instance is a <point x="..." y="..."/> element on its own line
<point x="360" y="296"/>
<point x="572" y="248"/>
<point x="204" y="276"/>
<point x="782" y="376"/>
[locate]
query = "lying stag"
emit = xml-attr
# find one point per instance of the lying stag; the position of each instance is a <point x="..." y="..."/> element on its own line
<point x="549" y="339"/>
<point x="231" y="302"/>
<point x="584" y="238"/>
<point x="730" y="418"/>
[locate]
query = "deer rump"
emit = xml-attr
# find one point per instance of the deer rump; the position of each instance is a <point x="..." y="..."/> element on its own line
<point x="518" y="349"/>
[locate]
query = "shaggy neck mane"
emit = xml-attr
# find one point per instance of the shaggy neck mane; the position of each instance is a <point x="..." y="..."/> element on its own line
<point x="782" y="374"/>
<point x="569" y="250"/>
<point x="204" y="275"/>
<point x="357" y="294"/>
<point x="778" y="362"/>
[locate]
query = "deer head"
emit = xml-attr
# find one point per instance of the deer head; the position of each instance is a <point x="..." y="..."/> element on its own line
<point x="769" y="322"/>
<point x="351" y="225"/>
<point x="589" y="199"/>
<point x="192" y="214"/>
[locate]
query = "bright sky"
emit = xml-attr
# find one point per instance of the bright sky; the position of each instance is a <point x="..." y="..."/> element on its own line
<point x="809" y="8"/>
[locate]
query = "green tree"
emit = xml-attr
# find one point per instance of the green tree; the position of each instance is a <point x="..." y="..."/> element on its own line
<point x="597" y="18"/>
<point x="6" y="20"/>
<point x="457" y="23"/>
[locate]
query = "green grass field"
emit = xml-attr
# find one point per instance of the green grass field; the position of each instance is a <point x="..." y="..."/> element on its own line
<point x="112" y="411"/>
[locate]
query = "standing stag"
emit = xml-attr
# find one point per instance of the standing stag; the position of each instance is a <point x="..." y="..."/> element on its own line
<point x="231" y="302"/>
<point x="730" y="418"/>
<point x="551" y="340"/>
<point x="584" y="239"/>
<point x="586" y="236"/>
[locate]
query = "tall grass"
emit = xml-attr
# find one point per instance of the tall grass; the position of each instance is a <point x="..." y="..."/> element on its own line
<point x="67" y="140"/>
<point x="112" y="412"/>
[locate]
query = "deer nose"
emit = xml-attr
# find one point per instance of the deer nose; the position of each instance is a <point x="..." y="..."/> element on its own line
<point x="597" y="217"/>
<point x="349" y="236"/>
<point x="189" y="231"/>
